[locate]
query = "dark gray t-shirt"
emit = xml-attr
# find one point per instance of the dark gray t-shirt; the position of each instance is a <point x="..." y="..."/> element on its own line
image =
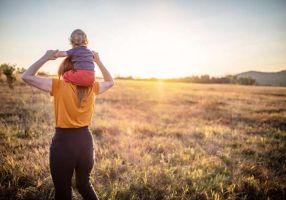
<point x="82" y="58"/>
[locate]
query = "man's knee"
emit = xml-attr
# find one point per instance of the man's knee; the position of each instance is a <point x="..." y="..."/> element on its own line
<point x="82" y="186"/>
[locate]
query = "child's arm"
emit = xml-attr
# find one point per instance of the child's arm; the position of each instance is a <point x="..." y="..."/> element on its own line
<point x="61" y="54"/>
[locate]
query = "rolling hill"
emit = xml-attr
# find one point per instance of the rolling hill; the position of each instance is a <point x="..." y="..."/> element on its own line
<point x="266" y="78"/>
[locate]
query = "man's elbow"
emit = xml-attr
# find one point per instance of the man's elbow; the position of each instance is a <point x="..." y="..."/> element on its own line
<point x="111" y="83"/>
<point x="24" y="77"/>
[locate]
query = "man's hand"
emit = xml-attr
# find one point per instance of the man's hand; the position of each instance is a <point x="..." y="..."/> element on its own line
<point x="51" y="55"/>
<point x="96" y="57"/>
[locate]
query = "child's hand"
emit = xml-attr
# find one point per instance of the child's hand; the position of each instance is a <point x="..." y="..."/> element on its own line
<point x="61" y="54"/>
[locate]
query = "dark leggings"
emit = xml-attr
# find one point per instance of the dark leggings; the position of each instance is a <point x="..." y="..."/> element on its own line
<point x="72" y="149"/>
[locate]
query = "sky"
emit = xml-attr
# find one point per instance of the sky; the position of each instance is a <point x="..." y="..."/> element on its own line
<point x="151" y="38"/>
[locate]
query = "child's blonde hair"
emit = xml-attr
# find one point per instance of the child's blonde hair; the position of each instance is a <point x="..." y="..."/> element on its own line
<point x="78" y="38"/>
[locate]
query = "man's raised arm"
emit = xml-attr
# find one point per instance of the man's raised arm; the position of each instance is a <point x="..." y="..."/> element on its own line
<point x="108" y="80"/>
<point x="29" y="76"/>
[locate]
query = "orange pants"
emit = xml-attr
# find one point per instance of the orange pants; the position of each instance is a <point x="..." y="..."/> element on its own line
<point x="80" y="77"/>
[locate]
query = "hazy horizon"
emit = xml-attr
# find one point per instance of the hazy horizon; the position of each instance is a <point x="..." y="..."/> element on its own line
<point x="163" y="39"/>
<point x="170" y="77"/>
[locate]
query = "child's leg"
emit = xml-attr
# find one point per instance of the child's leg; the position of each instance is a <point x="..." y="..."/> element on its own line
<point x="79" y="77"/>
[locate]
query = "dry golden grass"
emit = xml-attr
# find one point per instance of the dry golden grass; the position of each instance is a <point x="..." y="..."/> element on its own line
<point x="156" y="140"/>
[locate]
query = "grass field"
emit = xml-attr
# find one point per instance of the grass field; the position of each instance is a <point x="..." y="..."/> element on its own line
<point x="155" y="140"/>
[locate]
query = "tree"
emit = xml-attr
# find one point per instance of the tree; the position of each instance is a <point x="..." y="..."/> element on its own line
<point x="20" y="70"/>
<point x="205" y="78"/>
<point x="246" y="81"/>
<point x="8" y="71"/>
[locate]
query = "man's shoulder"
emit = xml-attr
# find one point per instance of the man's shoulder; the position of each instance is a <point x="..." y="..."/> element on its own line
<point x="60" y="82"/>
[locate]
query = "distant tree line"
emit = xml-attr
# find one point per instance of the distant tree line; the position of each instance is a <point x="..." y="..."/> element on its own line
<point x="229" y="79"/>
<point x="9" y="72"/>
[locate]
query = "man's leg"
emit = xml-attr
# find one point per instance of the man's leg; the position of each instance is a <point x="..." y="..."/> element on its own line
<point x="83" y="170"/>
<point x="62" y="167"/>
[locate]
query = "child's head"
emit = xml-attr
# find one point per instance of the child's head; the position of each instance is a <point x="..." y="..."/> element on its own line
<point x="78" y="38"/>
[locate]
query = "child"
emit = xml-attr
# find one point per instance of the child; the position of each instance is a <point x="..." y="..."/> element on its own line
<point x="82" y="60"/>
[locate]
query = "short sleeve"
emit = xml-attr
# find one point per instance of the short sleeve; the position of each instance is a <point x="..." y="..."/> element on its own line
<point x="96" y="87"/>
<point x="70" y="52"/>
<point x="55" y="86"/>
